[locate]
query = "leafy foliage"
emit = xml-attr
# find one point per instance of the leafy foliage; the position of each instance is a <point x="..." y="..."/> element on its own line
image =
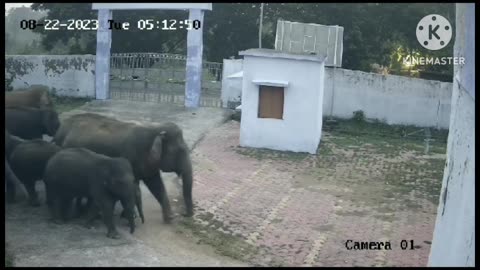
<point x="64" y="12"/>
<point x="359" y="116"/>
<point x="18" y="40"/>
<point x="8" y="84"/>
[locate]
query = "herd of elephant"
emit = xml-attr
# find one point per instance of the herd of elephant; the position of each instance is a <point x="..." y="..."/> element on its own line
<point x="90" y="157"/>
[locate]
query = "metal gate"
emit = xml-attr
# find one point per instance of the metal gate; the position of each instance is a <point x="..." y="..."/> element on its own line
<point x="160" y="77"/>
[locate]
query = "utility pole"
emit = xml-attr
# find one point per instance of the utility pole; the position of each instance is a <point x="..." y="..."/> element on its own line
<point x="260" y="28"/>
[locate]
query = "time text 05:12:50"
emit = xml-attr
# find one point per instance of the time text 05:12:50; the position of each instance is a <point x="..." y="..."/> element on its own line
<point x="91" y="24"/>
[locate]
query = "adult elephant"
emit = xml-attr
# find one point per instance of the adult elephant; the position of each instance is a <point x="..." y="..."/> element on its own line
<point x="31" y="123"/>
<point x="149" y="149"/>
<point x="36" y="96"/>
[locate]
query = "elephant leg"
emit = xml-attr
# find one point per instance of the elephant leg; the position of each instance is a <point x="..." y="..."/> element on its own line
<point x="56" y="206"/>
<point x="93" y="213"/>
<point x="90" y="204"/>
<point x="83" y="209"/>
<point x="53" y="203"/>
<point x="157" y="188"/>
<point x="138" y="202"/>
<point x="78" y="207"/>
<point x="65" y="207"/>
<point x="124" y="213"/>
<point x="32" y="194"/>
<point x="48" y="198"/>
<point x="107" y="206"/>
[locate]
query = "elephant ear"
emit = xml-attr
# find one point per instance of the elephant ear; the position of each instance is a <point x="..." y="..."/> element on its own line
<point x="45" y="100"/>
<point x="155" y="154"/>
<point x="105" y="172"/>
<point x="110" y="176"/>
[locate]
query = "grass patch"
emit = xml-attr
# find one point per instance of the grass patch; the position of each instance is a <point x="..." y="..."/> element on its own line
<point x="351" y="213"/>
<point x="412" y="205"/>
<point x="426" y="185"/>
<point x="384" y="217"/>
<point x="64" y="104"/>
<point x="384" y="139"/>
<point x="406" y="169"/>
<point x="262" y="153"/>
<point x="324" y="150"/>
<point x="438" y="148"/>
<point x="377" y="129"/>
<point x="224" y="244"/>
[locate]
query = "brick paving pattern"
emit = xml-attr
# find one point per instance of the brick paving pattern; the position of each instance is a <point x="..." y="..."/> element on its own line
<point x="300" y="210"/>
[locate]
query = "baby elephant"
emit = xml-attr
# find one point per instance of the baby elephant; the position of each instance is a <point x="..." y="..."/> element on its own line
<point x="78" y="172"/>
<point x="28" y="162"/>
<point x="80" y="209"/>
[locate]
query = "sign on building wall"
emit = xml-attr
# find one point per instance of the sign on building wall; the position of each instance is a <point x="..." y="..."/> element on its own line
<point x="295" y="37"/>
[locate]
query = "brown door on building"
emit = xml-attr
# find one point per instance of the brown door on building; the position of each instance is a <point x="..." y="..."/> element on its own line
<point x="270" y="102"/>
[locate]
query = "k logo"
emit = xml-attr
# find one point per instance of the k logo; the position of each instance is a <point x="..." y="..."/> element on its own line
<point x="434" y="32"/>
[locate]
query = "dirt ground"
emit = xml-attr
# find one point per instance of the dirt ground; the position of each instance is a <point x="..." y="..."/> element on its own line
<point x="273" y="208"/>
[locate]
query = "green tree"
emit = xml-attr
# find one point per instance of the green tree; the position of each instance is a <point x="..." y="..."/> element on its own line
<point x="16" y="38"/>
<point x="64" y="12"/>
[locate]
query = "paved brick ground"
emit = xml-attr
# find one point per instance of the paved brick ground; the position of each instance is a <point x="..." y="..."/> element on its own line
<point x="299" y="209"/>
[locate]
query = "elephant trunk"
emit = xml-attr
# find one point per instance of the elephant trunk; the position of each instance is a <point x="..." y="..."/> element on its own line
<point x="187" y="180"/>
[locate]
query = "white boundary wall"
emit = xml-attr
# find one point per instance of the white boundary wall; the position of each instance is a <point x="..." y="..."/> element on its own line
<point x="392" y="99"/>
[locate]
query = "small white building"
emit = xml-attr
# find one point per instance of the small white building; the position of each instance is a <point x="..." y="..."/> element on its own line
<point x="282" y="98"/>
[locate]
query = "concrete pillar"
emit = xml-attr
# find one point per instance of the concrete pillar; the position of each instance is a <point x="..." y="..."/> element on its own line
<point x="454" y="235"/>
<point x="102" y="62"/>
<point x="193" y="85"/>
